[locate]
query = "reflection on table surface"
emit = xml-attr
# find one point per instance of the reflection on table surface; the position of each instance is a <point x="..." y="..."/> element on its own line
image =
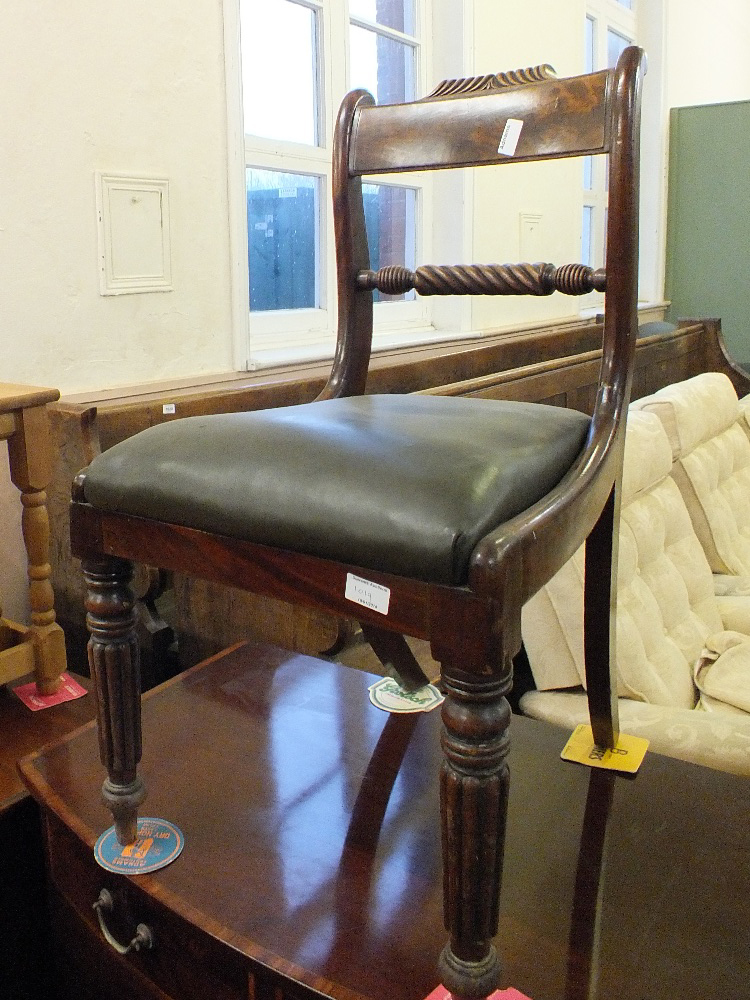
<point x="312" y="831"/>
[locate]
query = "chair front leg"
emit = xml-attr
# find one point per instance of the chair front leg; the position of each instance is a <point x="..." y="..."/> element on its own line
<point x="473" y="805"/>
<point x="115" y="669"/>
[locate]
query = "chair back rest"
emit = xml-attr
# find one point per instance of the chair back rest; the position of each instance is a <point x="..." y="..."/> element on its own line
<point x="521" y="116"/>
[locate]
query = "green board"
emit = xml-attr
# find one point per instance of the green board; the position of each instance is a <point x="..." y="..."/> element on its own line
<point x="708" y="225"/>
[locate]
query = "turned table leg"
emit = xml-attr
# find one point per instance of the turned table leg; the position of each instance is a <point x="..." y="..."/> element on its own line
<point x="474" y="799"/>
<point x="115" y="670"/>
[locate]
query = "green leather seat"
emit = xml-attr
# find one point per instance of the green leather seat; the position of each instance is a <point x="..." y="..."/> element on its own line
<point x="403" y="484"/>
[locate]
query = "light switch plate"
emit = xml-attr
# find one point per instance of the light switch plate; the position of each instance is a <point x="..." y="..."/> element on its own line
<point x="530" y="237"/>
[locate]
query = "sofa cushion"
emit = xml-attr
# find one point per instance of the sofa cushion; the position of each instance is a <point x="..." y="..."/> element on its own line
<point x="666" y="605"/>
<point x="708" y="433"/>
<point x="722" y="674"/>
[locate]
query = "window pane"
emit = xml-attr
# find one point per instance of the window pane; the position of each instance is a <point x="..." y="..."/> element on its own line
<point x="615" y="44"/>
<point x="282" y="223"/>
<point x="606" y="225"/>
<point x="397" y="14"/>
<point x="587" y="250"/>
<point x="279" y="81"/>
<point x="588" y="173"/>
<point x="588" y="43"/>
<point x="381" y="65"/>
<point x="626" y="3"/>
<point x="390" y="216"/>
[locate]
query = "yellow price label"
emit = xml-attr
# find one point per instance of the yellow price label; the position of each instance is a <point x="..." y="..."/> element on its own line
<point x="627" y="755"/>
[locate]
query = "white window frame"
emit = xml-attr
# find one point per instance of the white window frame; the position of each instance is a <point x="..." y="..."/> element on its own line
<point x="273" y="337"/>
<point x="606" y="15"/>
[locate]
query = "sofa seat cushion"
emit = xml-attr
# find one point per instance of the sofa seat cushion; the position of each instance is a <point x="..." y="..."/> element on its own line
<point x="712" y="739"/>
<point x="405" y="484"/>
<point x="708" y="433"/>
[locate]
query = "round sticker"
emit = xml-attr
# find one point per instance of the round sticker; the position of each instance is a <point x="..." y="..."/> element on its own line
<point x="391" y="697"/>
<point x="156" y="845"/>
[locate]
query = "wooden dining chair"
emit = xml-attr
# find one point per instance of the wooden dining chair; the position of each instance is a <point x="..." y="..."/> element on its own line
<point x="428" y="516"/>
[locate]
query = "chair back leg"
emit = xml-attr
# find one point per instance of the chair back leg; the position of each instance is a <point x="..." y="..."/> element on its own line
<point x="599" y="618"/>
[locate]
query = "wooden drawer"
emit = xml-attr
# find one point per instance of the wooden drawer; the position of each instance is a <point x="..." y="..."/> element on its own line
<point x="184" y="963"/>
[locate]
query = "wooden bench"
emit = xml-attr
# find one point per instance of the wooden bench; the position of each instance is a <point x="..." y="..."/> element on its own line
<point x="557" y="365"/>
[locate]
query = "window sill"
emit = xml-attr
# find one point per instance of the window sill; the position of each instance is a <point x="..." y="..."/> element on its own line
<point x="390" y="350"/>
<point x="393" y="340"/>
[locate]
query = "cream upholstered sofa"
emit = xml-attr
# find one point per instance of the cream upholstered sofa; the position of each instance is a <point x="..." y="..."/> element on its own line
<point x="709" y="435"/>
<point x="683" y="653"/>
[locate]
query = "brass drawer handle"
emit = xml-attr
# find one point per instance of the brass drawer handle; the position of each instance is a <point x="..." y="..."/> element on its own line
<point x="144" y="937"/>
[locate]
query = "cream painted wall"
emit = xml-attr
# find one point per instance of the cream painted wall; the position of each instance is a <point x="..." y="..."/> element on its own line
<point x="135" y="88"/>
<point x="527" y="34"/>
<point x="131" y="89"/>
<point x="707" y="52"/>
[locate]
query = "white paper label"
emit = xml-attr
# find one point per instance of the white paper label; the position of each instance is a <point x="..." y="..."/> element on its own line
<point x="511" y="135"/>
<point x="169" y="408"/>
<point x="368" y="594"/>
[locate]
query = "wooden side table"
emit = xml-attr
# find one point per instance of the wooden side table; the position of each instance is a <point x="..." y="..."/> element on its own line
<point x="40" y="647"/>
<point x="312" y="864"/>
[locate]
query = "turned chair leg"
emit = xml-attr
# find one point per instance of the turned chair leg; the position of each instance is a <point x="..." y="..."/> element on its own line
<point x="473" y="806"/>
<point x="115" y="671"/>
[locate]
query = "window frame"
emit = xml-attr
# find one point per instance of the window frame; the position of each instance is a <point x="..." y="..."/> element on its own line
<point x="279" y="336"/>
<point x="606" y="15"/>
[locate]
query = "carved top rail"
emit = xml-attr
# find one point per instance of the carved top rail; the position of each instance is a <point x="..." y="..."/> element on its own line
<point x="491" y="81"/>
<point x="467" y="128"/>
<point x="485" y="279"/>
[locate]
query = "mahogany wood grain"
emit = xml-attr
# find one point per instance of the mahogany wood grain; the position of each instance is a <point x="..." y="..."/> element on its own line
<point x="115" y="672"/>
<point x="468" y="130"/>
<point x="313" y="863"/>
<point x="600" y="619"/>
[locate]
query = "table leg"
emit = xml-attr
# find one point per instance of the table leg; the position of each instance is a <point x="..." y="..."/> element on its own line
<point x="29" y="457"/>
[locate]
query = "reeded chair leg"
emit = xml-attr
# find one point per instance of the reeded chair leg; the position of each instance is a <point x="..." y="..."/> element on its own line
<point x="474" y="799"/>
<point x="115" y="670"/>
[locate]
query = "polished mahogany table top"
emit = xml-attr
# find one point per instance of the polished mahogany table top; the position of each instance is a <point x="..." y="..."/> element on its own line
<point x="312" y="841"/>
